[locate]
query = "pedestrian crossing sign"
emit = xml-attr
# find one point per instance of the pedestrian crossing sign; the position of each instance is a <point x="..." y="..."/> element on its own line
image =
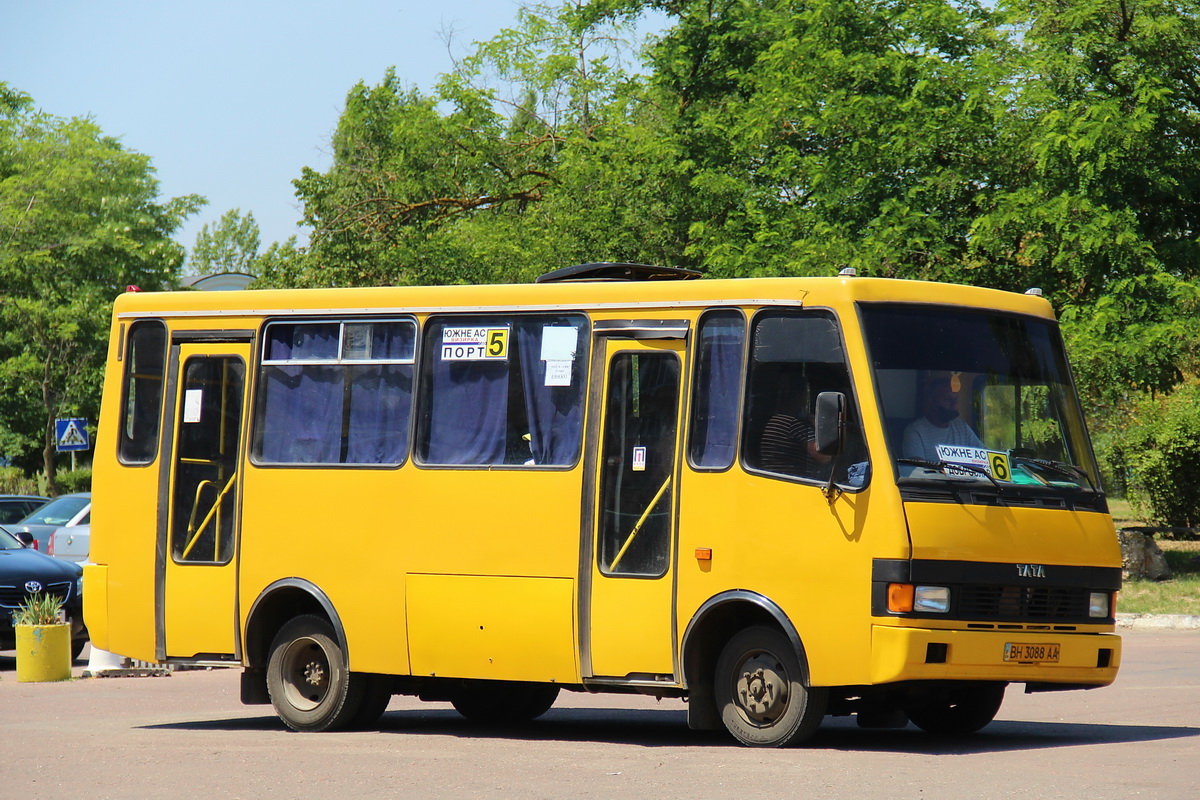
<point x="70" y="435"/>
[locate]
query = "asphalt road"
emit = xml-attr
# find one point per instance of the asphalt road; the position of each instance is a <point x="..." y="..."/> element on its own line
<point x="187" y="736"/>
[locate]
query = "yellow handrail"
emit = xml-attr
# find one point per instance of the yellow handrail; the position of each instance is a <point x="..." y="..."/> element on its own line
<point x="641" y="521"/>
<point x="195" y="532"/>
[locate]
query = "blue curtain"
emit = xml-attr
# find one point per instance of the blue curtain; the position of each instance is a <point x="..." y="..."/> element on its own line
<point x="380" y="399"/>
<point x="468" y="407"/>
<point x="302" y="414"/>
<point x="554" y="413"/>
<point x="717" y="395"/>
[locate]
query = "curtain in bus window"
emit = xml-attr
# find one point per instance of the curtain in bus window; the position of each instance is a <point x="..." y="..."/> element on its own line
<point x="468" y="412"/>
<point x="302" y="419"/>
<point x="379" y="407"/>
<point x="554" y="413"/>
<point x="718" y="381"/>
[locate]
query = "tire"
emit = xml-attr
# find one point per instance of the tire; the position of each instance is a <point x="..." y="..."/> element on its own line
<point x="307" y="679"/>
<point x="376" y="695"/>
<point x="77" y="646"/>
<point x="956" y="709"/>
<point x="503" y="702"/>
<point x="761" y="693"/>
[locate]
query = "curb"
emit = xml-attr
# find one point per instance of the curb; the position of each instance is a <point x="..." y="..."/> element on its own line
<point x="1158" y="622"/>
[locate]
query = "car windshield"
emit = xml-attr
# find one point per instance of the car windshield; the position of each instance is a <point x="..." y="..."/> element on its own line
<point x="978" y="396"/>
<point x="8" y="541"/>
<point x="58" y="511"/>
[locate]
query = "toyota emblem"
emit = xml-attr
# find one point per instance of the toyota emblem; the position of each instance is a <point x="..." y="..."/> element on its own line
<point x="32" y="586"/>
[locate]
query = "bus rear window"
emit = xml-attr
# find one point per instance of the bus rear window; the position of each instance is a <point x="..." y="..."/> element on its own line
<point x="141" y="411"/>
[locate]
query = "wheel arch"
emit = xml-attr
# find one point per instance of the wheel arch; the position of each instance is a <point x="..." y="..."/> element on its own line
<point x="279" y="602"/>
<point x="713" y="624"/>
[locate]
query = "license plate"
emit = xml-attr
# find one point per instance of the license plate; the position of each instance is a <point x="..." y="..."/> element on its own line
<point x="1030" y="653"/>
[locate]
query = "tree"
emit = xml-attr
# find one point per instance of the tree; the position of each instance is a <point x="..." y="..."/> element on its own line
<point x="231" y="245"/>
<point x="80" y="220"/>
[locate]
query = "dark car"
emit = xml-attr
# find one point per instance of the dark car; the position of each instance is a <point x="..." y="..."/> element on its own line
<point x="19" y="506"/>
<point x="24" y="571"/>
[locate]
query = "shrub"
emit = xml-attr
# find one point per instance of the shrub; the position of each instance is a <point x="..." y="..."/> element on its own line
<point x="1159" y="454"/>
<point x="14" y="481"/>
<point x="76" y="480"/>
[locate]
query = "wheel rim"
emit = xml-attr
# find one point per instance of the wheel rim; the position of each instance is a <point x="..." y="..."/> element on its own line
<point x="305" y="669"/>
<point x="760" y="689"/>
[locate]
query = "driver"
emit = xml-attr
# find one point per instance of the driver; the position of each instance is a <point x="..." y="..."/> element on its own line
<point x="939" y="425"/>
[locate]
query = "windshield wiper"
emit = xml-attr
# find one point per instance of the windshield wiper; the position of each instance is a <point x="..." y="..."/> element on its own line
<point x="944" y="466"/>
<point x="1061" y="467"/>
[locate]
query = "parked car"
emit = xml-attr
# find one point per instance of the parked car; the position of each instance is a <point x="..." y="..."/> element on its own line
<point x="71" y="543"/>
<point x="19" y="506"/>
<point x="23" y="572"/>
<point x="64" y="511"/>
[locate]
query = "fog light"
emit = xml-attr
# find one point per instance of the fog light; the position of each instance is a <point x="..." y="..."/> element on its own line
<point x="931" y="599"/>
<point x="1098" y="604"/>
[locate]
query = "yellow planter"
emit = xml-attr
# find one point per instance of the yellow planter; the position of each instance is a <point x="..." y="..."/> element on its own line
<point x="43" y="653"/>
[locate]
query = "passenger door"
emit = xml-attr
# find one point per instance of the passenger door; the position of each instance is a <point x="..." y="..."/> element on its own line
<point x="627" y="614"/>
<point x="199" y="507"/>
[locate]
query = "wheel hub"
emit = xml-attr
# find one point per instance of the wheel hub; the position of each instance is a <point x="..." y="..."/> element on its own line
<point x="762" y="690"/>
<point x="314" y="674"/>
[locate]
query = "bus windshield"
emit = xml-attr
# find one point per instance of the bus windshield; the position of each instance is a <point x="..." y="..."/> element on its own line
<point x="974" y="396"/>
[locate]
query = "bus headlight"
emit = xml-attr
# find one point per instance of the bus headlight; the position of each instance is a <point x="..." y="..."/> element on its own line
<point x="1098" y="604"/>
<point x="931" y="599"/>
<point x="904" y="598"/>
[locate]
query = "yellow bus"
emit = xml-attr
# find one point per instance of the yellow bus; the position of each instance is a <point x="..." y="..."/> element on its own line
<point x="778" y="499"/>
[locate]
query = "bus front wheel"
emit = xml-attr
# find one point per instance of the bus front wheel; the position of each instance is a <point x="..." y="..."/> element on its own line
<point x="760" y="690"/>
<point x="307" y="679"/>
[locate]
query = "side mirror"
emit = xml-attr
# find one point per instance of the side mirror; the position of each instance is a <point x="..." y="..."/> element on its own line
<point x="830" y="422"/>
<point x="25" y="537"/>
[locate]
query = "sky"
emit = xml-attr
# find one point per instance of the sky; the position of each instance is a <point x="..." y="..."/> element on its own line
<point x="230" y="98"/>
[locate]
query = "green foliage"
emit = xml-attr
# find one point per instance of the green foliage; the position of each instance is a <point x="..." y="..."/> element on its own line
<point x="74" y="480"/>
<point x="39" y="608"/>
<point x="1159" y="453"/>
<point x="80" y="220"/>
<point x="230" y="246"/>
<point x="14" y="481"/>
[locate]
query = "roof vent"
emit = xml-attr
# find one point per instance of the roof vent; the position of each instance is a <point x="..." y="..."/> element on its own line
<point x="1035" y="291"/>
<point x="614" y="271"/>
<point x="848" y="272"/>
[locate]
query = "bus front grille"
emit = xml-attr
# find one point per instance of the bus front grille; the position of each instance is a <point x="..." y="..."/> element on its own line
<point x="1023" y="604"/>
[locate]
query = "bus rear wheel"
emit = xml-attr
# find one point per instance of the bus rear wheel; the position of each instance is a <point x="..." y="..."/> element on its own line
<point x="503" y="702"/>
<point x="956" y="709"/>
<point x="761" y="693"/>
<point x="307" y="679"/>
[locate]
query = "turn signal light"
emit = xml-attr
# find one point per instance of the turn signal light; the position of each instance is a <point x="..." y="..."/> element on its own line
<point x="900" y="597"/>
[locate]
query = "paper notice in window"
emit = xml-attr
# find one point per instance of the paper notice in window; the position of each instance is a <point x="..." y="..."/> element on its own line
<point x="558" y="373"/>
<point x="193" y="399"/>
<point x="559" y="344"/>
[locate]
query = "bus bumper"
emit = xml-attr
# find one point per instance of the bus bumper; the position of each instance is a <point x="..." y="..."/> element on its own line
<point x="1042" y="657"/>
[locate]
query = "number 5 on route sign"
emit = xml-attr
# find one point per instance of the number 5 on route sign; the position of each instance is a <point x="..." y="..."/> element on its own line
<point x="70" y="435"/>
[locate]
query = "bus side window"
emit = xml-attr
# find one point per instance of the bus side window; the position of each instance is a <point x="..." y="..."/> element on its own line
<point x="716" y="396"/>
<point x="335" y="392"/>
<point x="794" y="356"/>
<point x="145" y="364"/>
<point x="502" y="391"/>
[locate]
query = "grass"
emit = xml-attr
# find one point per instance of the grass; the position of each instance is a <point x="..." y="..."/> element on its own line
<point x="1179" y="594"/>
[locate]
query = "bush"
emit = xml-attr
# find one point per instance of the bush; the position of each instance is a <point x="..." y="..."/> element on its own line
<point x="75" y="480"/>
<point x="1159" y="455"/>
<point x="14" y="481"/>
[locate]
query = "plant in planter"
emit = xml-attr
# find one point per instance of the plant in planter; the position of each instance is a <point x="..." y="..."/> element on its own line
<point x="43" y="639"/>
